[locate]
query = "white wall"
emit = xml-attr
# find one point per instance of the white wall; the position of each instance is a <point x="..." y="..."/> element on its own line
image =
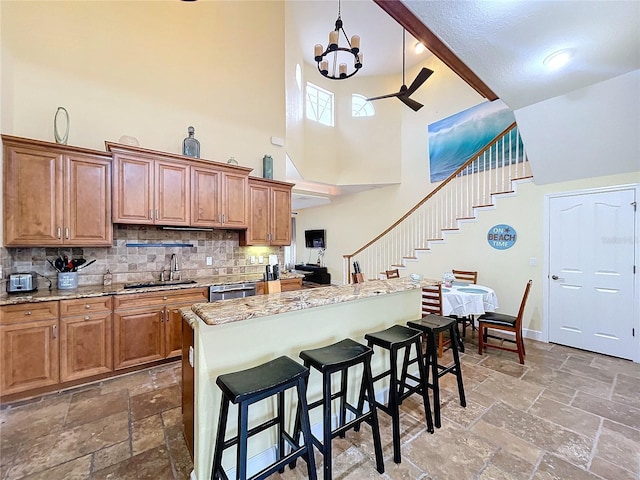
<point x="149" y="70"/>
<point x="589" y="132"/>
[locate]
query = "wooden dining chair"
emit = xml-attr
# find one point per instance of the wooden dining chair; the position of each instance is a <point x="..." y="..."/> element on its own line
<point x="507" y="323"/>
<point x="465" y="275"/>
<point x="393" y="273"/>
<point x="432" y="304"/>
<point x="471" y="277"/>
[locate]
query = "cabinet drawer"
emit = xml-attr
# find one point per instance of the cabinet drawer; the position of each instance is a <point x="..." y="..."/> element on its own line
<point x="85" y="305"/>
<point x="122" y="302"/>
<point x="27" y="312"/>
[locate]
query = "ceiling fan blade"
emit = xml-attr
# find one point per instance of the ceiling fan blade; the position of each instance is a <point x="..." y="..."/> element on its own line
<point x="384" y="96"/>
<point x="422" y="77"/>
<point x="415" y="106"/>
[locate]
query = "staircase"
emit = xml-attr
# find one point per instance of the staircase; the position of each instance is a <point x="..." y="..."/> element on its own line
<point x="492" y="171"/>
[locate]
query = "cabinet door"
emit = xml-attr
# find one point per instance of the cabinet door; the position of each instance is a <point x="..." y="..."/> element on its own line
<point x="172" y="194"/>
<point x="33" y="205"/>
<point x="258" y="231"/>
<point x="205" y="197"/>
<point x="138" y="337"/>
<point x="280" y="216"/>
<point x="234" y="201"/>
<point x="132" y="190"/>
<point x="87" y="201"/>
<point x="85" y="346"/>
<point x="29" y="356"/>
<point x="173" y="331"/>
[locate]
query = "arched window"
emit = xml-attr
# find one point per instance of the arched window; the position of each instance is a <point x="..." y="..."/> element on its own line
<point x="360" y="107"/>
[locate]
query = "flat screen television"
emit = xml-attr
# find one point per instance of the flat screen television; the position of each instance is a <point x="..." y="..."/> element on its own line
<point x="314" y="238"/>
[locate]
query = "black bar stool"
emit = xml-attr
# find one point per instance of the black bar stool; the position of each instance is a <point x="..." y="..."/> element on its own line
<point x="394" y="339"/>
<point x="339" y="357"/>
<point x="250" y="386"/>
<point x="432" y="325"/>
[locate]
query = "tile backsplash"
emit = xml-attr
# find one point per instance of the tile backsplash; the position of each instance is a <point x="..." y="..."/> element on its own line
<point x="145" y="263"/>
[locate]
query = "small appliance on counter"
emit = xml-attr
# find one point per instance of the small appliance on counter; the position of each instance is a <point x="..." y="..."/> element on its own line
<point x="22" y="282"/>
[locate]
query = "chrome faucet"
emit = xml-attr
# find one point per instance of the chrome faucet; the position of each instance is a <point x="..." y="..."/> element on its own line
<point x="174" y="272"/>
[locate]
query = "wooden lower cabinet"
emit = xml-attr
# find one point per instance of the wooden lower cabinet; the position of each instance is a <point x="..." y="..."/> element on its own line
<point x="153" y="332"/>
<point x="86" y="340"/>
<point x="138" y="336"/>
<point x="29" y="347"/>
<point x="286" y="285"/>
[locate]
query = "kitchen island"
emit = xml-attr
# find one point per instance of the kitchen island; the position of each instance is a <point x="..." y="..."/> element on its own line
<point x="233" y="335"/>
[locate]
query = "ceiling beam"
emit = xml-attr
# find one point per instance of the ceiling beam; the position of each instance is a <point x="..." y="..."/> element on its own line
<point x="405" y="17"/>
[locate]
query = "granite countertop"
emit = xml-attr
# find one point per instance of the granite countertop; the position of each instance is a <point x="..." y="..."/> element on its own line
<point x="235" y="310"/>
<point x="44" y="295"/>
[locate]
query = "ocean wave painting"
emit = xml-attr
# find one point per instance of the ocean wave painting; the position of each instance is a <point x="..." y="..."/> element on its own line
<point x="455" y="139"/>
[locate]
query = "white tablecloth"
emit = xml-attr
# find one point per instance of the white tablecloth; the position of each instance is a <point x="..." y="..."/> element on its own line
<point x="463" y="299"/>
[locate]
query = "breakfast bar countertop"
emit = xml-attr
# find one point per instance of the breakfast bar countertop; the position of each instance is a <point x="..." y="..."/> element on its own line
<point x="43" y="294"/>
<point x="239" y="309"/>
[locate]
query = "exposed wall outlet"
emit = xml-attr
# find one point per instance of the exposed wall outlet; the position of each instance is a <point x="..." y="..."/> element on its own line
<point x="209" y="261"/>
<point x="260" y="259"/>
<point x="253" y="259"/>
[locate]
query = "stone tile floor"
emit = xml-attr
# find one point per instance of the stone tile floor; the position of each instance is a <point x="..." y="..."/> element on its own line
<point x="566" y="414"/>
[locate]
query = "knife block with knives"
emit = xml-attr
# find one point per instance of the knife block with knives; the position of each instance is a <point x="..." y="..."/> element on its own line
<point x="272" y="279"/>
<point x="357" y="276"/>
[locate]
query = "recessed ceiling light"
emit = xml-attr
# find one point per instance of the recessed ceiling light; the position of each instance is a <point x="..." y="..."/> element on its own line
<point x="420" y="48"/>
<point x="558" y="58"/>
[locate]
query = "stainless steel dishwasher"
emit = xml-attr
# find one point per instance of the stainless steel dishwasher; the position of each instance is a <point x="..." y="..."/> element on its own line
<point x="234" y="290"/>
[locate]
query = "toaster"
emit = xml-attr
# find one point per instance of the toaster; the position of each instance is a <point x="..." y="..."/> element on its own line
<point x="22" y="282"/>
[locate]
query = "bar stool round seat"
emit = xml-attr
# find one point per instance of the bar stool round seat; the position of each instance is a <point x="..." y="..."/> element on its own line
<point x="395" y="339"/>
<point x="339" y="357"/>
<point x="249" y="386"/>
<point x="432" y="325"/>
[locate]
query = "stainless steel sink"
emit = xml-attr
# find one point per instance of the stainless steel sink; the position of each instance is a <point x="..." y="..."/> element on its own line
<point x="158" y="284"/>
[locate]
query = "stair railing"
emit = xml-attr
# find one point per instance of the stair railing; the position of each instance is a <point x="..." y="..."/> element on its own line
<point x="489" y="172"/>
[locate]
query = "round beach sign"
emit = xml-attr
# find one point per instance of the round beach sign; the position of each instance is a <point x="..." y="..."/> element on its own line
<point x="501" y="236"/>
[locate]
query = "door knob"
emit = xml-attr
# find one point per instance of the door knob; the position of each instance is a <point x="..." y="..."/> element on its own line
<point x="554" y="277"/>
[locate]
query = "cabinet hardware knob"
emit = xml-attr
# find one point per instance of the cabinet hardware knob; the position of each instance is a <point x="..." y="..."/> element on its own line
<point x="28" y="312"/>
<point x="150" y="214"/>
<point x="87" y="306"/>
<point x="157" y="215"/>
<point x="555" y="277"/>
<point x="87" y="317"/>
<point x="59" y="232"/>
<point x="164" y="298"/>
<point x="54" y="331"/>
<point x="66" y="233"/>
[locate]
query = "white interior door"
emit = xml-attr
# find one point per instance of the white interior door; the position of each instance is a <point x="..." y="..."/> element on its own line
<point x="591" y="270"/>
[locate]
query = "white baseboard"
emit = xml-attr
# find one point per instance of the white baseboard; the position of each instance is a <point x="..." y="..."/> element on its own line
<point x="533" y="334"/>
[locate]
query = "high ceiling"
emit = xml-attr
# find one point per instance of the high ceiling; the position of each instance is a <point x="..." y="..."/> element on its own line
<point x="502" y="42"/>
<point x="381" y="36"/>
<point x="505" y="42"/>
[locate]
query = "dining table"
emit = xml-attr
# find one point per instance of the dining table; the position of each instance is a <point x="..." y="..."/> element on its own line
<point x="464" y="299"/>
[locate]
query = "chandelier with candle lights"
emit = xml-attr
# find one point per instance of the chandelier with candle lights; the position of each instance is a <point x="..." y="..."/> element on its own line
<point x="336" y="62"/>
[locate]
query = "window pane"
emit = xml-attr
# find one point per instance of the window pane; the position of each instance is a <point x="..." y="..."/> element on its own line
<point x="360" y="107"/>
<point x="319" y="105"/>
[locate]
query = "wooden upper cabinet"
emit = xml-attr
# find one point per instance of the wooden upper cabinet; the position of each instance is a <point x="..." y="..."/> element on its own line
<point x="55" y="195"/>
<point x="147" y="191"/>
<point x="172" y="193"/>
<point x="159" y="188"/>
<point x="280" y="215"/>
<point x="219" y="197"/>
<point x="269" y="213"/>
<point x="132" y="189"/>
<point x="87" y="204"/>
<point x="235" y="212"/>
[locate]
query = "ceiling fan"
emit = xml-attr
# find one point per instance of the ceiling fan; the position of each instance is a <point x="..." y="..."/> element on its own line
<point x="404" y="93"/>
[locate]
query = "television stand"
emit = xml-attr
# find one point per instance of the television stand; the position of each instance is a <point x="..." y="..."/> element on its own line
<point x="314" y="274"/>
